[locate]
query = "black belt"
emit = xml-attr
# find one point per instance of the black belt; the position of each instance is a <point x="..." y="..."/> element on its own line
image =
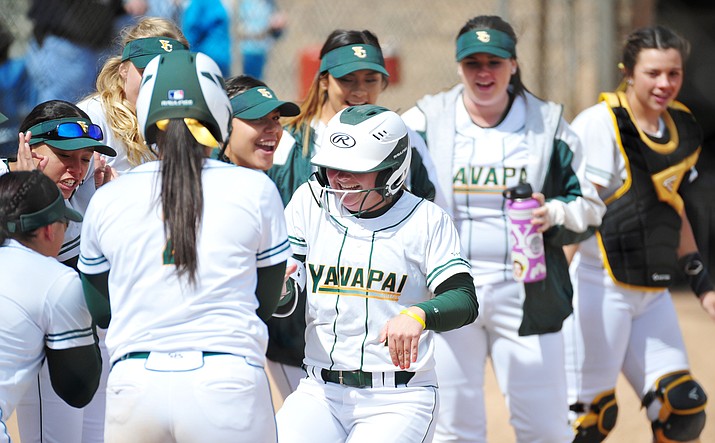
<point x="146" y="355"/>
<point x="360" y="379"/>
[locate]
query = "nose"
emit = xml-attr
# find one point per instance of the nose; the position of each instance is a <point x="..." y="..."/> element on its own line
<point x="663" y="81"/>
<point x="274" y="126"/>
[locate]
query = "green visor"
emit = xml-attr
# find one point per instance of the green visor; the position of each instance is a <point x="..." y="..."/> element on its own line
<point x="142" y="50"/>
<point x="3" y="119"/>
<point x="70" y="134"/>
<point x="346" y="59"/>
<point x="260" y="101"/>
<point x="488" y="41"/>
<point x="56" y="211"/>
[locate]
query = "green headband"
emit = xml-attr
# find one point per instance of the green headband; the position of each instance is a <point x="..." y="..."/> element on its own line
<point x="258" y="102"/>
<point x="346" y="59"/>
<point x="56" y="211"/>
<point x="488" y="41"/>
<point x="68" y="144"/>
<point x="142" y="50"/>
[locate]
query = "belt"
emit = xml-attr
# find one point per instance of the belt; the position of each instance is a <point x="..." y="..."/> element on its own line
<point x="360" y="379"/>
<point x="146" y="355"/>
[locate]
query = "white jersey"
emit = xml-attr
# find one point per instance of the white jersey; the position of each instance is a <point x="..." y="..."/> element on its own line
<point x="41" y="305"/>
<point x="152" y="310"/>
<point x="94" y="108"/>
<point x="361" y="272"/>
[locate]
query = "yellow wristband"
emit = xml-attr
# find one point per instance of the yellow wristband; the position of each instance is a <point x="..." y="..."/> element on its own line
<point x="415" y="316"/>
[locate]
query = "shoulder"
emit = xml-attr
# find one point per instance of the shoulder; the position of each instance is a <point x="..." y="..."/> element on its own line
<point x="595" y="115"/>
<point x="285" y="146"/>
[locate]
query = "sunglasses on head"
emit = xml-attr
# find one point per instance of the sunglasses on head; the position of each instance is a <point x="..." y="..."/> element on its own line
<point x="70" y="130"/>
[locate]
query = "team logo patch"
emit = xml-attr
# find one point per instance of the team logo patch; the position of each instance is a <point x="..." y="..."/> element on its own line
<point x="265" y="92"/>
<point x="342" y="140"/>
<point x="483" y="36"/>
<point x="176" y="94"/>
<point x="359" y="51"/>
<point x="166" y="45"/>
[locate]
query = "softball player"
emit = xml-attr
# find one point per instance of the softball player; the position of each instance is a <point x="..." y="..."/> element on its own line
<point x="641" y="146"/>
<point x="43" y="315"/>
<point x="491" y="134"/>
<point x="384" y="269"/>
<point x="352" y="72"/>
<point x="255" y="128"/>
<point x="112" y="105"/>
<point x="191" y="285"/>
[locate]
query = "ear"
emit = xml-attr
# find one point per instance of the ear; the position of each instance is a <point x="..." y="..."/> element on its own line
<point x="124" y="69"/>
<point x="323" y="82"/>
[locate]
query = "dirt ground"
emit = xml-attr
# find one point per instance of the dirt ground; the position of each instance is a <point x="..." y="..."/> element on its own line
<point x="632" y="426"/>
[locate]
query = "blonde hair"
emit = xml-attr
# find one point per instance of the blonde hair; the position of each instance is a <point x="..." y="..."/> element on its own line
<point x="120" y="113"/>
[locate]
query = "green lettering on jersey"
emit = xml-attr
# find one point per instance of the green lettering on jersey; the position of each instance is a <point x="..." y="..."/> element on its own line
<point x="475" y="179"/>
<point x="402" y="284"/>
<point x="522" y="176"/>
<point x="315" y="275"/>
<point x="508" y="173"/>
<point x="168" y="255"/>
<point x="459" y="177"/>
<point x="491" y="177"/>
<point x="374" y="276"/>
<point x="389" y="283"/>
<point x="359" y="280"/>
<point x="345" y="275"/>
<point x="331" y="278"/>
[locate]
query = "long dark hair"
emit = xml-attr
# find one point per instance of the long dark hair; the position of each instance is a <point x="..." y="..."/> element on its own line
<point x="182" y="199"/>
<point x="241" y="83"/>
<point x="497" y="23"/>
<point x="23" y="192"/>
<point x="315" y="98"/>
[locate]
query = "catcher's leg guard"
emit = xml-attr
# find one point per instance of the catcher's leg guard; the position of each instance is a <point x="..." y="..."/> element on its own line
<point x="599" y="418"/>
<point x="682" y="412"/>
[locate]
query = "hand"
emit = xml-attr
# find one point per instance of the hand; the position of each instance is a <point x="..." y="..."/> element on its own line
<point x="402" y="335"/>
<point x="26" y="156"/>
<point x="707" y="301"/>
<point x="135" y="7"/>
<point x="103" y="173"/>
<point x="540" y="215"/>
<point x="290" y="268"/>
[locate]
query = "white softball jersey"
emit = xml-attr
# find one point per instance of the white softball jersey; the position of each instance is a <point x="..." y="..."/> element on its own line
<point x="361" y="272"/>
<point x="152" y="310"/>
<point x="41" y="305"/>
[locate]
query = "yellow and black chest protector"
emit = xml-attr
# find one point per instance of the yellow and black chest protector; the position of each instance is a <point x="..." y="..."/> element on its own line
<point x="640" y="233"/>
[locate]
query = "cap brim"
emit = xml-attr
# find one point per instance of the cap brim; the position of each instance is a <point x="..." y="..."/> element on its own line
<point x="140" y="61"/>
<point x="287" y="109"/>
<point x="71" y="214"/>
<point x="499" y="52"/>
<point x="73" y="144"/>
<point x="347" y="68"/>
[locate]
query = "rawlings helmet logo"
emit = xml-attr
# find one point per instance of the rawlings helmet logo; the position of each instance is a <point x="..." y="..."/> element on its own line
<point x="342" y="140"/>
<point x="359" y="51"/>
<point x="483" y="36"/>
<point x="166" y="45"/>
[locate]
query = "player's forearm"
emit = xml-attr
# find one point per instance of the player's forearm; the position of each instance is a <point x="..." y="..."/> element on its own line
<point x="96" y="294"/>
<point x="269" y="288"/>
<point x="455" y="304"/>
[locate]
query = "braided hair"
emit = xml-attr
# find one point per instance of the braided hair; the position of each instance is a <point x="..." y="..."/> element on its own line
<point x="23" y="192"/>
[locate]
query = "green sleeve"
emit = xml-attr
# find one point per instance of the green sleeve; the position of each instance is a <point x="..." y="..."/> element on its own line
<point x="75" y="372"/>
<point x="96" y="294"/>
<point x="454" y="305"/>
<point x="269" y="288"/>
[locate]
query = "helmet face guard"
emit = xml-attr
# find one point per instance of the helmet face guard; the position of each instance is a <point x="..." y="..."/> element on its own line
<point x="364" y="139"/>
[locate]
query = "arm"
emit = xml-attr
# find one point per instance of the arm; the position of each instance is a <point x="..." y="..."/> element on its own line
<point x="75" y="373"/>
<point x="269" y="289"/>
<point x="96" y="294"/>
<point x="694" y="268"/>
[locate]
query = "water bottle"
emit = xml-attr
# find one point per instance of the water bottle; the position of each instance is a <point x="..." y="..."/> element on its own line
<point x="527" y="254"/>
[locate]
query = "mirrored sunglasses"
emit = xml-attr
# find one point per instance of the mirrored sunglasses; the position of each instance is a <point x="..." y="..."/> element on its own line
<point x="73" y="130"/>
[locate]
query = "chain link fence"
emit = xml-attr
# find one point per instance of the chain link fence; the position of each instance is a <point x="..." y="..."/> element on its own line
<point x="567" y="49"/>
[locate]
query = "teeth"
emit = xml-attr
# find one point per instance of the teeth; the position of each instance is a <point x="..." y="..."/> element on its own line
<point x="68" y="182"/>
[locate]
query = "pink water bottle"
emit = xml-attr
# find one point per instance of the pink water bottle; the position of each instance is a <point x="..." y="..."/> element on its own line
<point x="527" y="253"/>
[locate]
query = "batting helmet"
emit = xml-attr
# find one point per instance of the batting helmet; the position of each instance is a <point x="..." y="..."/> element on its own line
<point x="366" y="138"/>
<point x="183" y="84"/>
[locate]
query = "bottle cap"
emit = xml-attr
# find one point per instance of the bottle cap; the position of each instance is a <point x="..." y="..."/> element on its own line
<point x="522" y="190"/>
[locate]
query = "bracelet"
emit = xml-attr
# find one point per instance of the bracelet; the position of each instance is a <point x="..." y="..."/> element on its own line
<point x="409" y="313"/>
<point x="696" y="273"/>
